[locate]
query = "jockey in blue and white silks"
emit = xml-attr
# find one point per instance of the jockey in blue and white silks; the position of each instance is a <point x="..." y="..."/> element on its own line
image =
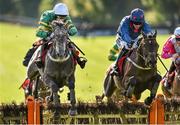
<point x="127" y="34"/>
<point x="128" y="31"/>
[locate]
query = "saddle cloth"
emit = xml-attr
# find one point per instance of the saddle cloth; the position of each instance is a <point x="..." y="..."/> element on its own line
<point x="121" y="64"/>
<point x="45" y="50"/>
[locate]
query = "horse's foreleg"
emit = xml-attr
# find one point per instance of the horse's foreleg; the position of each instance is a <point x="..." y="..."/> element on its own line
<point x="54" y="89"/>
<point x="153" y="90"/>
<point x="50" y="83"/>
<point x="109" y="86"/>
<point x="71" y="86"/>
<point x="54" y="95"/>
<point x="131" y="82"/>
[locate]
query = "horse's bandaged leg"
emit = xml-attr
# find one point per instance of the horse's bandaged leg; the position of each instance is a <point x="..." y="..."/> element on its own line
<point x="131" y="82"/>
<point x="71" y="84"/>
<point x="72" y="96"/>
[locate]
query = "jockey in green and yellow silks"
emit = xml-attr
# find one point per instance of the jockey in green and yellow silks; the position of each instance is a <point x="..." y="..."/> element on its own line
<point x="59" y="12"/>
<point x="113" y="52"/>
<point x="44" y="29"/>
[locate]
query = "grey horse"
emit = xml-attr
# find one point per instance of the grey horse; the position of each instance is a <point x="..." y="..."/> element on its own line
<point x="59" y="68"/>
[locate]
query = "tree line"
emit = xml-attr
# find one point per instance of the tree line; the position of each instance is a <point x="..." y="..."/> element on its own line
<point x="103" y="12"/>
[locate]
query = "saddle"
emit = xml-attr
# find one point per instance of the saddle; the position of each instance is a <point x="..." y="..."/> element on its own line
<point x="46" y="48"/>
<point x="121" y="64"/>
<point x="44" y="52"/>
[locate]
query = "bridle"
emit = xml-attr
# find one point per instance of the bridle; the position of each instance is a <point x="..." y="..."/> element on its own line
<point x="68" y="53"/>
<point x="150" y="53"/>
<point x="143" y="57"/>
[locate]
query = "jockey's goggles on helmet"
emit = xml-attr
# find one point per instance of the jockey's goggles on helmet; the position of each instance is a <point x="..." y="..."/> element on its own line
<point x="60" y="16"/>
<point x="178" y="39"/>
<point x="137" y="23"/>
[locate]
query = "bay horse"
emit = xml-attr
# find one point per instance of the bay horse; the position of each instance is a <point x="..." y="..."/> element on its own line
<point x="139" y="72"/>
<point x="59" y="68"/>
<point x="174" y="92"/>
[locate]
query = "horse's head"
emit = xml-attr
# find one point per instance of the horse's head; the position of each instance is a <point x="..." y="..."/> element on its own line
<point x="148" y="49"/>
<point x="60" y="39"/>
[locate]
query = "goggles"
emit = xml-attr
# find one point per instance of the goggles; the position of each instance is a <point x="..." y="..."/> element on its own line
<point x="177" y="39"/>
<point x="137" y="23"/>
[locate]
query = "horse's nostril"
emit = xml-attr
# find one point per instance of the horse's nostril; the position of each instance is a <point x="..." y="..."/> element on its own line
<point x="58" y="54"/>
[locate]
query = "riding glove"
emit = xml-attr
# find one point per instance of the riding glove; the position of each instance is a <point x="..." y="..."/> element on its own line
<point x="128" y="45"/>
<point x="50" y="37"/>
<point x="73" y="31"/>
<point x="42" y="34"/>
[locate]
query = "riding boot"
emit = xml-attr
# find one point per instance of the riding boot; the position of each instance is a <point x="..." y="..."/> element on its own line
<point x="112" y="53"/>
<point x="28" y="56"/>
<point x="170" y="76"/>
<point x="38" y="61"/>
<point x="123" y="52"/>
<point x="80" y="60"/>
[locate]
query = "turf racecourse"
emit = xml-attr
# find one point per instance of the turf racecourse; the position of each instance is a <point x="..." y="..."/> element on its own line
<point x="15" y="40"/>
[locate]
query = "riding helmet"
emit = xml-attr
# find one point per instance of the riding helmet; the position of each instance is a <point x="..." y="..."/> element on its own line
<point x="61" y="9"/>
<point x="137" y="15"/>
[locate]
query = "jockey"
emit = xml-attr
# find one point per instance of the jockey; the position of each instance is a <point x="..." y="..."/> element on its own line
<point x="171" y="49"/>
<point x="127" y="34"/>
<point x="59" y="12"/>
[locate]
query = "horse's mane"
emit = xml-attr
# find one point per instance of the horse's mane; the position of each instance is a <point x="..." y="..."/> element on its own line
<point x="132" y="53"/>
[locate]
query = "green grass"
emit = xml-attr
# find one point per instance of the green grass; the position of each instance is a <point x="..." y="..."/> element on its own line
<point x="15" y="40"/>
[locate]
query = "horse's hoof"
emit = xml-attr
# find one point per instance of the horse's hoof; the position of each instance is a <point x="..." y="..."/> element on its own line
<point x="148" y="101"/>
<point x="72" y="112"/>
<point x="133" y="99"/>
<point x="48" y="100"/>
<point x="129" y="92"/>
<point x="98" y="99"/>
<point x="61" y="90"/>
<point x="56" y="116"/>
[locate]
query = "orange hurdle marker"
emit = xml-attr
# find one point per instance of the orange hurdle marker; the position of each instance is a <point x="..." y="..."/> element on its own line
<point x="33" y="110"/>
<point x="30" y="107"/>
<point x="156" y="113"/>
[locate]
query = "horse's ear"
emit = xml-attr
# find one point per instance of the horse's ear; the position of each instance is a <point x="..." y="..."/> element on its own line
<point x="143" y="34"/>
<point x="155" y="33"/>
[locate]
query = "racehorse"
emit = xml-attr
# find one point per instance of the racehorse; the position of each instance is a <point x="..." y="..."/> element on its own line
<point x="139" y="72"/>
<point x="174" y="92"/>
<point x="59" y="67"/>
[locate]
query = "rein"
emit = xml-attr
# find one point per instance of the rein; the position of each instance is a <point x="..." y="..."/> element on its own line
<point x="58" y="59"/>
<point x="141" y="56"/>
<point x="138" y="66"/>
